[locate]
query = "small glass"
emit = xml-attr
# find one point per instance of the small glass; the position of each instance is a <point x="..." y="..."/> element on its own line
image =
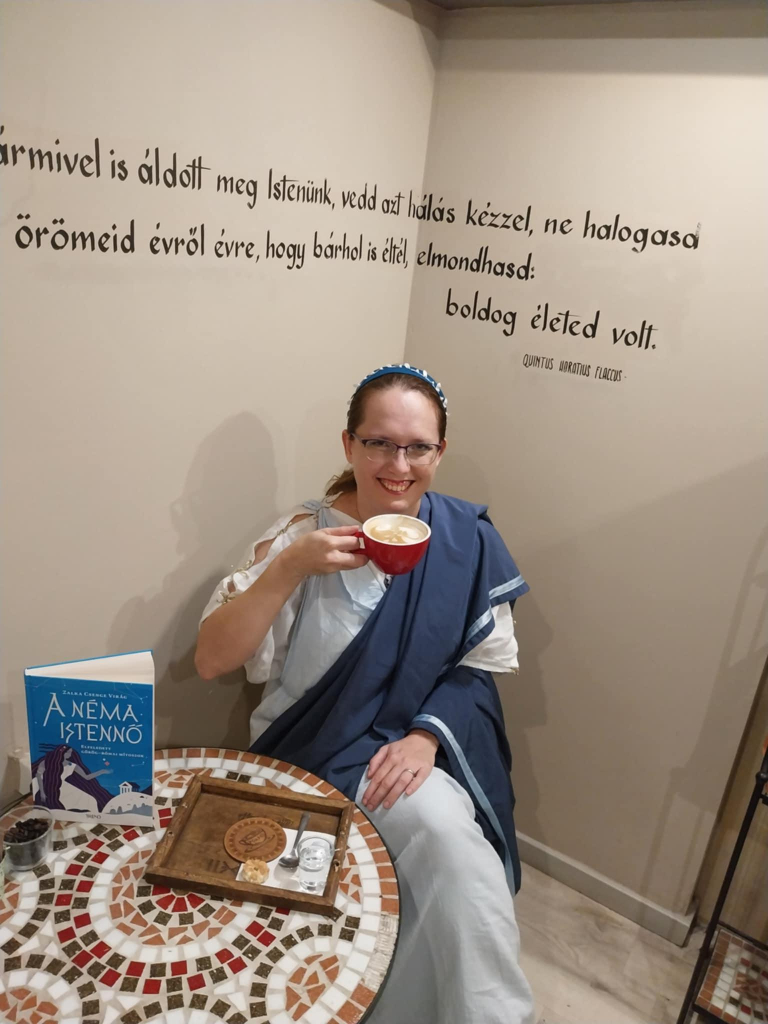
<point x="29" y="854"/>
<point x="315" y="856"/>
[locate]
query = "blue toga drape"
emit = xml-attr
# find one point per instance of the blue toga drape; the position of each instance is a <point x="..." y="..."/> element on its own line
<point x="401" y="671"/>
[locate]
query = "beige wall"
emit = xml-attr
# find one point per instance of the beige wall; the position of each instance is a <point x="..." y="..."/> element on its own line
<point x="635" y="508"/>
<point x="150" y="424"/>
<point x="159" y="411"/>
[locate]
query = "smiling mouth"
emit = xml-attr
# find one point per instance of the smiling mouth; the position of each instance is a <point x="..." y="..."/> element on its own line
<point x="395" y="486"/>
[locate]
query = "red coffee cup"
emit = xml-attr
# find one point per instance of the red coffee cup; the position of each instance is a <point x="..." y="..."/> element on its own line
<point x="394" y="557"/>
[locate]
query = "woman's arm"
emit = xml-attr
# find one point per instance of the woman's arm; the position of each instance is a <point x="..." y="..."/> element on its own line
<point x="231" y="634"/>
<point x="93" y="775"/>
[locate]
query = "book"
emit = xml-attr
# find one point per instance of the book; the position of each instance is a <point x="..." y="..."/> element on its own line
<point x="91" y="738"/>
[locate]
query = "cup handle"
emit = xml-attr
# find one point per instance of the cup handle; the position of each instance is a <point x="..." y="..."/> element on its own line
<point x="361" y="537"/>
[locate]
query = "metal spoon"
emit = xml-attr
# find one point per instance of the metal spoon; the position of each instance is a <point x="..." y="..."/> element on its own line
<point x="290" y="861"/>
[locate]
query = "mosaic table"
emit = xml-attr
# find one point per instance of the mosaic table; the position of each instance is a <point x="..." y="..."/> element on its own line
<point x="83" y="939"/>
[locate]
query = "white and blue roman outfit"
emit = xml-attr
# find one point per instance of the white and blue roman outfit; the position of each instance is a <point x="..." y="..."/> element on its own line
<point x="355" y="660"/>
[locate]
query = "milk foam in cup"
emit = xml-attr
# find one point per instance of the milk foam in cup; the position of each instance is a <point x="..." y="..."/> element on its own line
<point x="397" y="530"/>
<point x="395" y="543"/>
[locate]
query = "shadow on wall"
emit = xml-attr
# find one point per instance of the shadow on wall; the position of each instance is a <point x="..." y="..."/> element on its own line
<point x="523" y="696"/>
<point x="227" y="502"/>
<point x="462" y="477"/>
<point x="744" y="657"/>
<point x="319" y="430"/>
<point x="671" y="550"/>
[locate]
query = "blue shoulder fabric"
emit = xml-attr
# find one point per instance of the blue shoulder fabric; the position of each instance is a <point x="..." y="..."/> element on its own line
<point x="402" y="671"/>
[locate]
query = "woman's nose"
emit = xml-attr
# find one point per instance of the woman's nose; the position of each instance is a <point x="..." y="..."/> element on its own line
<point x="400" y="461"/>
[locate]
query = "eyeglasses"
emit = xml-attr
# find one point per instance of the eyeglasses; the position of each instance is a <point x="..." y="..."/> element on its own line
<point x="378" y="450"/>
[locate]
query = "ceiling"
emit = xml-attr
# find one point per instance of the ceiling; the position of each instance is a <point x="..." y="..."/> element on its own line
<point x="457" y="5"/>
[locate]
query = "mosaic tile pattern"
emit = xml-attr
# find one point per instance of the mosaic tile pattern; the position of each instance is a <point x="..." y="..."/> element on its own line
<point x="83" y="939"/>
<point x="735" y="987"/>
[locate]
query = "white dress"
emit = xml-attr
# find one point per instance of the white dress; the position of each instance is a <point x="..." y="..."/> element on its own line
<point x="458" y="946"/>
<point x="70" y="797"/>
<point x="346" y="599"/>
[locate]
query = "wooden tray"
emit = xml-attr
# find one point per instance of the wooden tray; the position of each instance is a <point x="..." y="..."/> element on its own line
<point x="191" y="855"/>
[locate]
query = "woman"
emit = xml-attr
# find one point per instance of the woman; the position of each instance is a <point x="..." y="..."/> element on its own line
<point x="383" y="687"/>
<point x="71" y="797"/>
<point x="50" y="782"/>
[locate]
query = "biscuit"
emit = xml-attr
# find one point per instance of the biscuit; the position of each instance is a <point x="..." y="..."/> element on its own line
<point x="255" y="871"/>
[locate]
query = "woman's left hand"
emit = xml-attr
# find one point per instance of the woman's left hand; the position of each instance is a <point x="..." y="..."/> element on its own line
<point x="400" y="767"/>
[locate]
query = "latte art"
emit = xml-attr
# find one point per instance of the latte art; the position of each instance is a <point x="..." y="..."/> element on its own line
<point x="396" y="530"/>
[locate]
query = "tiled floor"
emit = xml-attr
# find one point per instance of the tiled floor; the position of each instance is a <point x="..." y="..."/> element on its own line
<point x="588" y="965"/>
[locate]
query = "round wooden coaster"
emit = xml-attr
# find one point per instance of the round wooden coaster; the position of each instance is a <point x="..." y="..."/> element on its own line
<point x="261" y="838"/>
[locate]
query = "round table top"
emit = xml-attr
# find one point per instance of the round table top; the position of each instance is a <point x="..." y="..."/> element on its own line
<point x="83" y="939"/>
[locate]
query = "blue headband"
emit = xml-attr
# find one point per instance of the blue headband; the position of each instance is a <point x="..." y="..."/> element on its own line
<point x="411" y="371"/>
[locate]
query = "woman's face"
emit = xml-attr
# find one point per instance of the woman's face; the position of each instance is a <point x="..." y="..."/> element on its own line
<point x="404" y="417"/>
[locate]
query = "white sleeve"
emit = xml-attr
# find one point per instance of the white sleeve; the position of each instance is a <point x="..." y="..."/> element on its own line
<point x="267" y="662"/>
<point x="498" y="652"/>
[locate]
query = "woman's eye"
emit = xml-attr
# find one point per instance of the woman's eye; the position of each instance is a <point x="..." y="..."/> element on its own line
<point x="420" y="449"/>
<point x="381" y="446"/>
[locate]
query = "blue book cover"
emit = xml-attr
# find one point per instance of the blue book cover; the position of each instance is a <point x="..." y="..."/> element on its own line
<point x="91" y="738"/>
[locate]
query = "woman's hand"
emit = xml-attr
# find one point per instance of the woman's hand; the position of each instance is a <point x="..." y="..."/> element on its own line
<point x="400" y="767"/>
<point x="324" y="551"/>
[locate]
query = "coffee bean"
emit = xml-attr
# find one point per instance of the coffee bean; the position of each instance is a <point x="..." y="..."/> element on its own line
<point x="24" y="831"/>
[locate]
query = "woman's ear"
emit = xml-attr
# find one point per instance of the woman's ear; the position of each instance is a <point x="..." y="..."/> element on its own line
<point x="346" y="440"/>
<point x="443" y="446"/>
